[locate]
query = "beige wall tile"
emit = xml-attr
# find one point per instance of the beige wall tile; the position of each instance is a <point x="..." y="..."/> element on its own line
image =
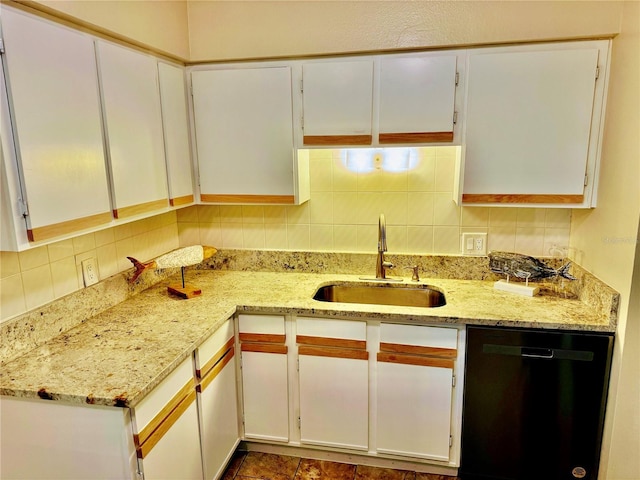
<point x="475" y="217"/>
<point x="503" y="216"/>
<point x="531" y="217"/>
<point x="555" y="240"/>
<point x="189" y="214"/>
<point x="395" y="181"/>
<point x="345" y="238"/>
<point x="371" y="181"/>
<point x="422" y="177"/>
<point x="208" y="213"/>
<point x="321" y="208"/>
<point x="420" y="207"/>
<point x="446" y="240"/>
<point x="107" y="260"/>
<point x="345" y="208"/>
<point x="124" y="249"/>
<point x="396" y="239"/>
<point x="367" y="238"/>
<point x="102" y="237"/>
<point x="275" y="214"/>
<point x="445" y="211"/>
<point x="321" y="237"/>
<point x="275" y="236"/>
<point x="321" y="178"/>
<point x="64" y="277"/>
<point x="9" y="264"/>
<point x="38" y="286"/>
<point x="253" y="214"/>
<point x="445" y="168"/>
<point x="231" y="234"/>
<point x="298" y="215"/>
<point x="395" y="207"/>
<point x="35" y="257"/>
<point x="420" y="239"/>
<point x="501" y="239"/>
<point x="121" y="232"/>
<point x="298" y="237"/>
<point x="189" y="233"/>
<point x="60" y="250"/>
<point x="529" y="241"/>
<point x="230" y="214"/>
<point x="84" y="243"/>
<point x="210" y="235"/>
<point x="557" y="218"/>
<point x="253" y="235"/>
<point x="344" y="180"/>
<point x="369" y="207"/>
<point x="11" y="297"/>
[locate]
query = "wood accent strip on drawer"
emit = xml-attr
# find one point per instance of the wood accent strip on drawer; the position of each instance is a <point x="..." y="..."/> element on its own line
<point x="416" y="137"/>
<point x="515" y="198"/>
<point x="419" y="350"/>
<point x="328" y="140"/>
<point x="174" y="202"/>
<point x="264" y="348"/>
<point x="162" y="422"/>
<point x="262" y="199"/>
<point x="262" y="337"/>
<point x="415" y="360"/>
<point x="204" y="370"/>
<point x="320" y="351"/>
<point x="213" y="373"/>
<point x="140" y="208"/>
<point x="331" y="342"/>
<point x="56" y="229"/>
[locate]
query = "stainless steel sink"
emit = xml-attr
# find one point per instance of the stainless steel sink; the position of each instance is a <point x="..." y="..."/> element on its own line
<point x="400" y="295"/>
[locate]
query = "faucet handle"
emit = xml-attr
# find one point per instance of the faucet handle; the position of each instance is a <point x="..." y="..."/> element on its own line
<point x="415" y="277"/>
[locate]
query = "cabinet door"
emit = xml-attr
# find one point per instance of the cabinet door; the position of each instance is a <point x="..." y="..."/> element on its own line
<point x="334" y="383"/>
<point x="414" y="384"/>
<point x="417" y="95"/>
<point x="530" y="132"/>
<point x="133" y="124"/>
<point x="265" y="391"/>
<point x="218" y="400"/>
<point x="175" y="118"/>
<point x="337" y="102"/>
<point x="167" y="436"/>
<point x="53" y="88"/>
<point x="244" y="135"/>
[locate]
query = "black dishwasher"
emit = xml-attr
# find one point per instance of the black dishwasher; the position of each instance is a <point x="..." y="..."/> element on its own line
<point x="534" y="403"/>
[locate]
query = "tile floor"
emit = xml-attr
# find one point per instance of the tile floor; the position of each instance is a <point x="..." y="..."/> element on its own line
<point x="267" y="466"/>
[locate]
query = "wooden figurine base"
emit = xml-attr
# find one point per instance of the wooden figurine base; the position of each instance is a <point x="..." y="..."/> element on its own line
<point x="188" y="291"/>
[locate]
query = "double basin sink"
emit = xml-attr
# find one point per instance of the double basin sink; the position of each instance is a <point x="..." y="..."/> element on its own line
<point x="384" y="294"/>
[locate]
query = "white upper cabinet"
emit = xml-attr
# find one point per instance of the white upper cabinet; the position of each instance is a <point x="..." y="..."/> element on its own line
<point x="175" y="118"/>
<point x="417" y="98"/>
<point x="533" y="124"/>
<point x="244" y="136"/>
<point x="337" y="102"/>
<point x="57" y="156"/>
<point x="133" y="126"/>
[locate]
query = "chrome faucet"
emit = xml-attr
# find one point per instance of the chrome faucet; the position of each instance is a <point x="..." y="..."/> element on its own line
<point x="381" y="264"/>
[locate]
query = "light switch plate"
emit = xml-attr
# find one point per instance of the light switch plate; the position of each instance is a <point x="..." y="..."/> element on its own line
<point x="474" y="243"/>
<point x="89" y="271"/>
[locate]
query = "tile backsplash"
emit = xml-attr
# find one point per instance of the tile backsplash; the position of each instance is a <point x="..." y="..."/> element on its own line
<point x="35" y="277"/>
<point x="347" y="198"/>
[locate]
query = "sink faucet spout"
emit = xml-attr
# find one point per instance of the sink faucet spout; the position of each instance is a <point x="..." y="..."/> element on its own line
<point x="381" y="264"/>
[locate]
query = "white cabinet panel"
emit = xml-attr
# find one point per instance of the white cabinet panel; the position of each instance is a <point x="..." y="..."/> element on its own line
<point x="531" y="128"/>
<point x="417" y="95"/>
<point x="175" y="117"/>
<point x="334" y="402"/>
<point x="414" y="410"/>
<point x="244" y="135"/>
<point x="53" y="88"/>
<point x="133" y="122"/>
<point x="337" y="102"/>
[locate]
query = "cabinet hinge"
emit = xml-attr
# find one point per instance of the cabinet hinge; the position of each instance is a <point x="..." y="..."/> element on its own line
<point x="302" y="85"/>
<point x="597" y="73"/>
<point x="299" y="423"/>
<point x="24" y="208"/>
<point x="586" y="179"/>
<point x="302" y="122"/>
<point x="453" y="381"/>
<point x="298" y="364"/>
<point x="457" y="78"/>
<point x="1" y="46"/>
<point x="450" y="441"/>
<point x="455" y="117"/>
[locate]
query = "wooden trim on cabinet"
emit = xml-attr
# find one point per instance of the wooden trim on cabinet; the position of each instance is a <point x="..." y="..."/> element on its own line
<point x="151" y="434"/>
<point x="415" y="360"/>
<point x="320" y="351"/>
<point x="140" y="208"/>
<point x="264" y="348"/>
<point x="184" y="200"/>
<point x="521" y="198"/>
<point x="331" y="342"/>
<point x="419" y="350"/>
<point x="217" y="368"/>
<point x="415" y="137"/>
<point x="69" y="226"/>
<point x="261" y="199"/>
<point x="262" y="337"/>
<point x="329" y="140"/>
<point x="206" y="368"/>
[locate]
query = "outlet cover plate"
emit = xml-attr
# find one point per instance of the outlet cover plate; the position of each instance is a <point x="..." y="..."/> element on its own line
<point x="474" y="243"/>
<point x="89" y="271"/>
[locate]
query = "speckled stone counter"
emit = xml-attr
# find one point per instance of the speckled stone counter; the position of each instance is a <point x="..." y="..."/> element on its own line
<point x="119" y="355"/>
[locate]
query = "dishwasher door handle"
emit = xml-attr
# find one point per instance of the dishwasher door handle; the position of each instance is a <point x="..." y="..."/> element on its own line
<point x="540" y="353"/>
<point x="544" y="353"/>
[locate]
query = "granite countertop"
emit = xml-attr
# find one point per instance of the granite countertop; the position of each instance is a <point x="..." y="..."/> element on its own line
<point x="118" y="356"/>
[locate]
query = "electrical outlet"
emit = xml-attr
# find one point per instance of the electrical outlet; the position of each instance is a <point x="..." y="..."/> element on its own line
<point x="474" y="243"/>
<point x="89" y="271"/>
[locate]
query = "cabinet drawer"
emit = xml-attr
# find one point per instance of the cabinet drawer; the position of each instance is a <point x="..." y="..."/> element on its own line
<point x="421" y="336"/>
<point x="320" y="327"/>
<point x="266" y="324"/>
<point x="214" y="348"/>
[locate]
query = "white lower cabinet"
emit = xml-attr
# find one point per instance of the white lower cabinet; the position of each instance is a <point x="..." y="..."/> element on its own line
<point x="216" y="371"/>
<point x="333" y="375"/>
<point x="265" y="384"/>
<point x="415" y="390"/>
